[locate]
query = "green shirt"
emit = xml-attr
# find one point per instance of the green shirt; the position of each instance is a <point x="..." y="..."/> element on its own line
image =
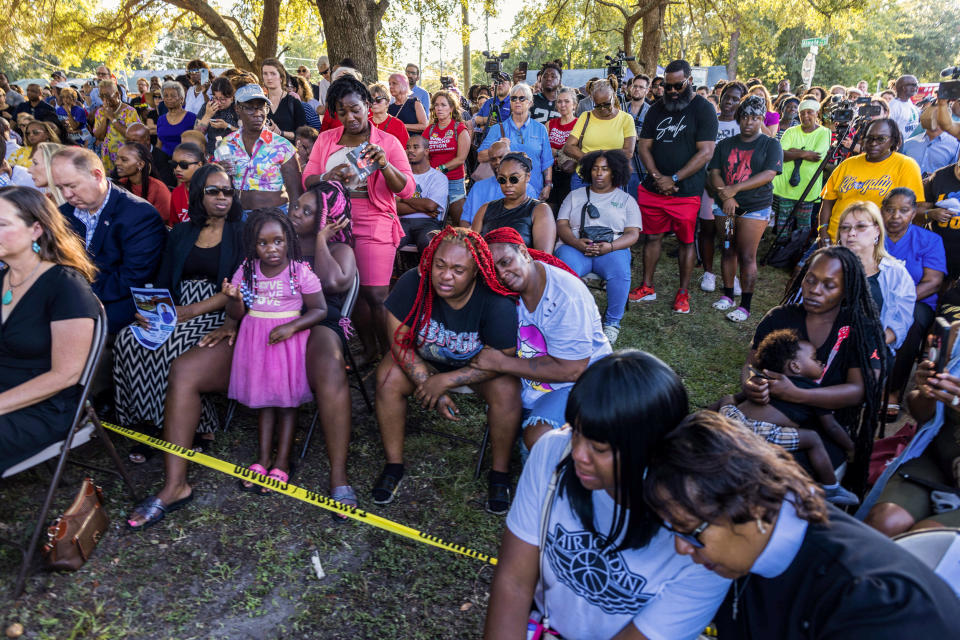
<point x="794" y="138"/>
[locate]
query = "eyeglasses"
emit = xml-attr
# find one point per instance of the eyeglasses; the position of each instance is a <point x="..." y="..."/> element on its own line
<point x="193" y="70"/>
<point x="156" y="95"/>
<point x="519" y="98"/>
<point x="693" y="537"/>
<point x="512" y="179"/>
<point x="861" y="227"/>
<point x="252" y="108"/>
<point x="185" y="165"/>
<point x="591" y="210"/>
<point x="675" y="86"/>
<point x="875" y="139"/>
<point x="603" y="105"/>
<point x="325" y="71"/>
<point x="216" y="191"/>
<point x="379" y="99"/>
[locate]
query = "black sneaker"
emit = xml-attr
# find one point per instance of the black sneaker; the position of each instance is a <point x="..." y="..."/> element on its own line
<point x="498" y="497"/>
<point x="386" y="486"/>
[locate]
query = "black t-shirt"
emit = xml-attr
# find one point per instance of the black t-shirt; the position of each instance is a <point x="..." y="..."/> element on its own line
<point x="675" y="136"/>
<point x="943" y="184"/>
<point x="799" y="413"/>
<point x="543" y="109"/>
<point x="738" y="161"/>
<point x="289" y="115"/>
<point x="454" y="336"/>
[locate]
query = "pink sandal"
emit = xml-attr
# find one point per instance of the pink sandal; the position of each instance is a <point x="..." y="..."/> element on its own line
<point x="253" y="488"/>
<point x="277" y="474"/>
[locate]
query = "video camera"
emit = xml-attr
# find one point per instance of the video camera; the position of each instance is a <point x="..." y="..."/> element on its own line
<point x="615" y="65"/>
<point x="446" y="82"/>
<point x="950" y="90"/>
<point x="842" y="112"/>
<point x="494" y="67"/>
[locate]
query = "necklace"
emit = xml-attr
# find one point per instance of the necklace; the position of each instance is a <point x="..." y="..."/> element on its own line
<point x="8" y="294"/>
<point x="737" y="590"/>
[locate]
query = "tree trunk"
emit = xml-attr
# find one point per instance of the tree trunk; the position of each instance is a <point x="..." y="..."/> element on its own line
<point x="268" y="36"/>
<point x="650" y="46"/>
<point x="466" y="79"/>
<point x="628" y="28"/>
<point x="733" y="53"/>
<point x="351" y="28"/>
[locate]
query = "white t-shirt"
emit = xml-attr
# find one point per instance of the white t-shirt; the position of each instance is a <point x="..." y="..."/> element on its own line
<point x="194" y="101"/>
<point x="906" y="115"/>
<point x="432" y="185"/>
<point x="566" y="325"/>
<point x="727" y="129"/>
<point x="594" y="592"/>
<point x="617" y="211"/>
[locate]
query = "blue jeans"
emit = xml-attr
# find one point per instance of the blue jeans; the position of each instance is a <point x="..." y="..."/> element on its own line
<point x="613" y="267"/>
<point x="630" y="188"/>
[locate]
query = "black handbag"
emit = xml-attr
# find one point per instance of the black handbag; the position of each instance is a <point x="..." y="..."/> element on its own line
<point x="597" y="233"/>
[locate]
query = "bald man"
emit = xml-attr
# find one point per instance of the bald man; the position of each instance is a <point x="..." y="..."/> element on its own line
<point x="902" y="110"/>
<point x="162" y="164"/>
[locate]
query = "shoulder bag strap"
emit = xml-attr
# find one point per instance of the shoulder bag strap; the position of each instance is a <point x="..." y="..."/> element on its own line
<point x="583" y="214"/>
<point x="545" y="512"/>
<point x="583" y="132"/>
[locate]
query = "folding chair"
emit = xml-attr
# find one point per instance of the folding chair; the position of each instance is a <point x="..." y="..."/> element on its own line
<point x="85" y="422"/>
<point x="346" y="311"/>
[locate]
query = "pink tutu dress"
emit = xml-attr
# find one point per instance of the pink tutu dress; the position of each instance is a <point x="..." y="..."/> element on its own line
<point x="264" y="374"/>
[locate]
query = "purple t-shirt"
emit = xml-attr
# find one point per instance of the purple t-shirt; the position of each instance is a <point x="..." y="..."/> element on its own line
<point x="920" y="249"/>
<point x="169" y="134"/>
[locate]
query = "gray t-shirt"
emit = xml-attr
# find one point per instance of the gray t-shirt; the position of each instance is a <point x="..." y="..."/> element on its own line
<point x="617" y="211"/>
<point x="432" y="185"/>
<point x="566" y="325"/>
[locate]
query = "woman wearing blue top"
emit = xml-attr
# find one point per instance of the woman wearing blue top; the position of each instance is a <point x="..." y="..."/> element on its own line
<point x="922" y="253"/>
<point x="582" y="551"/>
<point x="527" y="135"/>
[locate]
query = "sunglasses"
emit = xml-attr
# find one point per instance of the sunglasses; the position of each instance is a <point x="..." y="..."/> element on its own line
<point x="185" y="165"/>
<point x="325" y="71"/>
<point x="875" y="139"/>
<point x="218" y="191"/>
<point x="693" y="538"/>
<point x="676" y="86"/>
<point x="862" y="227"/>
<point x="520" y="98"/>
<point x="603" y="105"/>
<point x="380" y="99"/>
<point x="513" y="180"/>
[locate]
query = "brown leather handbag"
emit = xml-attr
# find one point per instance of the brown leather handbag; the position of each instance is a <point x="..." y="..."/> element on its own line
<point x="74" y="535"/>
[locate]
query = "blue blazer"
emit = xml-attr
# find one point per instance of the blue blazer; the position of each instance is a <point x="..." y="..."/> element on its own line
<point x="127" y="247"/>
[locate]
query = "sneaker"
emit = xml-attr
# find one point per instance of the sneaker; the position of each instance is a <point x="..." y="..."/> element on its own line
<point x="681" y="304"/>
<point x="643" y="293"/>
<point x="723" y="304"/>
<point x="708" y="282"/>
<point x="738" y="315"/>
<point x="498" y="498"/>
<point x="385" y="490"/>
<point x="612" y="332"/>
<point x="736" y="286"/>
<point x="840" y="496"/>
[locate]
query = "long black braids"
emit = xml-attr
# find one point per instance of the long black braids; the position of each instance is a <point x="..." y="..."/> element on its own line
<point x="251" y="232"/>
<point x="858" y="311"/>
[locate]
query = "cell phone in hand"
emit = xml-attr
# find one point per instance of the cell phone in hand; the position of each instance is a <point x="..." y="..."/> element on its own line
<point x="756" y="372"/>
<point x="204" y="76"/>
<point x="938" y="346"/>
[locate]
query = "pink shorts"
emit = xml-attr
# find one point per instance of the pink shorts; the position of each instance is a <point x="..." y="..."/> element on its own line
<point x="376" y="236"/>
<point x="668" y="213"/>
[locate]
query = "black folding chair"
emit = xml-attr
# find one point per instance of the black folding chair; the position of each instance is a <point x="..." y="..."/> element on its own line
<point x="85" y="424"/>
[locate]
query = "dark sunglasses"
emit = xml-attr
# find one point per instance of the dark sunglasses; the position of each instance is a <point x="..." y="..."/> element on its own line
<point x="512" y="179"/>
<point x="215" y="191"/>
<point x="325" y="71"/>
<point x="693" y="537"/>
<point x="676" y="86"/>
<point x="519" y="98"/>
<point x="603" y="105"/>
<point x="591" y="210"/>
<point x="185" y="165"/>
<point x="875" y="139"/>
<point x="381" y="99"/>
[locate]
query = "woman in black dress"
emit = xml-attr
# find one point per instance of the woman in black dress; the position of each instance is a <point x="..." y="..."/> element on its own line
<point x="46" y="323"/>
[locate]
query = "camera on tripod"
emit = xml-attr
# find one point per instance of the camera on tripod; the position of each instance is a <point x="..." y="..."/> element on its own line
<point x="842" y="112"/>
<point x="494" y="66"/>
<point x="446" y="82"/>
<point x="615" y="65"/>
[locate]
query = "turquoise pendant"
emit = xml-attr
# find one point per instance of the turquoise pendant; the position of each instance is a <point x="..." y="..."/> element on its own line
<point x="8" y="296"/>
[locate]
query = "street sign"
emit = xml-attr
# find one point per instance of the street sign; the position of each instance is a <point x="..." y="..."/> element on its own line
<point x="814" y="42"/>
<point x="807" y="68"/>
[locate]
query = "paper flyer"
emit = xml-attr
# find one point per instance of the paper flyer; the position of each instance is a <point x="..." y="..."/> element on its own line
<point x="156" y="305"/>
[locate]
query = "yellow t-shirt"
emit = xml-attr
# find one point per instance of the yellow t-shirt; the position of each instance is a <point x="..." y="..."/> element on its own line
<point x="856" y="179"/>
<point x="604" y="134"/>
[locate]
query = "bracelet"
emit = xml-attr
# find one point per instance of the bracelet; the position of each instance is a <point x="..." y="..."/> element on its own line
<point x="822" y="227"/>
<point x="548" y="183"/>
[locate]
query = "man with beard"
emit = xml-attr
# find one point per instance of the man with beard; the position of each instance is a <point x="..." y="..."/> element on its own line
<point x="677" y="140"/>
<point x="656" y="90"/>
<point x="543" y="102"/>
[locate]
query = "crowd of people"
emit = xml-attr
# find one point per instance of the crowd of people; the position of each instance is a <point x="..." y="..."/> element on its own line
<point x="263" y="203"/>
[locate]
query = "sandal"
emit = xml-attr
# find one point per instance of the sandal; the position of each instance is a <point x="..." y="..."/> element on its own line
<point x="279" y="475"/>
<point x="153" y="511"/>
<point x="343" y="494"/>
<point x="253" y="488"/>
<point x="140" y="453"/>
<point x="738" y="315"/>
<point x="723" y="304"/>
<point x="893" y="411"/>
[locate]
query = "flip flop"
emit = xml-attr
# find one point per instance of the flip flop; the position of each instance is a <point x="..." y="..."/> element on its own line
<point x="893" y="411"/>
<point x="153" y="511"/>
<point x="253" y="488"/>
<point x="346" y="495"/>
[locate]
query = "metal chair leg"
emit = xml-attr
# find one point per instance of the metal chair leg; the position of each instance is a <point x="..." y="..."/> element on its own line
<point x="313" y="424"/>
<point x="359" y="379"/>
<point x="483" y="450"/>
<point x="231" y="409"/>
<point x="112" y="451"/>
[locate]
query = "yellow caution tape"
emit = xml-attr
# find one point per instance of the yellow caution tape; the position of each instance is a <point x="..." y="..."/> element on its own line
<point x="310" y="497"/>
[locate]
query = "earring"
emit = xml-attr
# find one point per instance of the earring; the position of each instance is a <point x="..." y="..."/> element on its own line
<point x="760" y="527"/>
<point x="36" y="247"/>
<point x="877" y="241"/>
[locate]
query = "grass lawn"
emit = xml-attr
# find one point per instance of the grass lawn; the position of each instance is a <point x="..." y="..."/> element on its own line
<point x="234" y="565"/>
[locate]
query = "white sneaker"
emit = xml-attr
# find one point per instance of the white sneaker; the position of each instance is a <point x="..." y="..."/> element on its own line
<point x="708" y="282"/>
<point x="736" y="286"/>
<point x="612" y="332"/>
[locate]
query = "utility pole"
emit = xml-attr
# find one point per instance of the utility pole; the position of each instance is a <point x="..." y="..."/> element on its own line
<point x="465" y="37"/>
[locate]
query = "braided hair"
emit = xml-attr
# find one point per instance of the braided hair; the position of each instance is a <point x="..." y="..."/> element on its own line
<point x="859" y="311"/>
<point x="422" y="308"/>
<point x="146" y="158"/>
<point x="251" y="232"/>
<point x="333" y="203"/>
<point x="344" y="86"/>
<point x="509" y="235"/>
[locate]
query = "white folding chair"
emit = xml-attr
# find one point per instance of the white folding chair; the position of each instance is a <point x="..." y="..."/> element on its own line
<point x="85" y="423"/>
<point x="937" y="549"/>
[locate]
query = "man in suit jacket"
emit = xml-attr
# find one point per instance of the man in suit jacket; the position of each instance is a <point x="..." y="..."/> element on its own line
<point x="124" y="234"/>
<point x="162" y="164"/>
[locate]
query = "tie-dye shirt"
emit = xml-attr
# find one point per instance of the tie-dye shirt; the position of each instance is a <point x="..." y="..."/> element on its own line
<point x="126" y="115"/>
<point x="261" y="170"/>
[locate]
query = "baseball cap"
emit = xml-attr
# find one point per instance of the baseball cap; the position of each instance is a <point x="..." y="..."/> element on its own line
<point x="249" y="93"/>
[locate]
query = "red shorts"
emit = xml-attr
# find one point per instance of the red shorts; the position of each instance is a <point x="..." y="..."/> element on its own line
<point x="668" y="213"/>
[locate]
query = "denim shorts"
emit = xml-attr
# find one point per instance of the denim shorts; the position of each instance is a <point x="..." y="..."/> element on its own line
<point x="550" y="408"/>
<point x="456" y="191"/>
<point x="761" y="214"/>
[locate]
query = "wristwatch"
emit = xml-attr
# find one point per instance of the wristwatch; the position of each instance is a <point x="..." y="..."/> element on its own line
<point x="675" y="178"/>
<point x="442" y="168"/>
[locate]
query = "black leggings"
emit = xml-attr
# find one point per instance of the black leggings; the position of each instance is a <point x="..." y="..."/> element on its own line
<point x="923" y="316"/>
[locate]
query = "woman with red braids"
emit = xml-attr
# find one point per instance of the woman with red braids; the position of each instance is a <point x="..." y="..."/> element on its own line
<point x="441" y="315"/>
<point x="559" y="333"/>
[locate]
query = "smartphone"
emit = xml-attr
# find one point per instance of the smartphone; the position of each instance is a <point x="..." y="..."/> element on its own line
<point x="522" y="68"/>
<point x="938" y="346"/>
<point x="756" y="372"/>
<point x="204" y="76"/>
